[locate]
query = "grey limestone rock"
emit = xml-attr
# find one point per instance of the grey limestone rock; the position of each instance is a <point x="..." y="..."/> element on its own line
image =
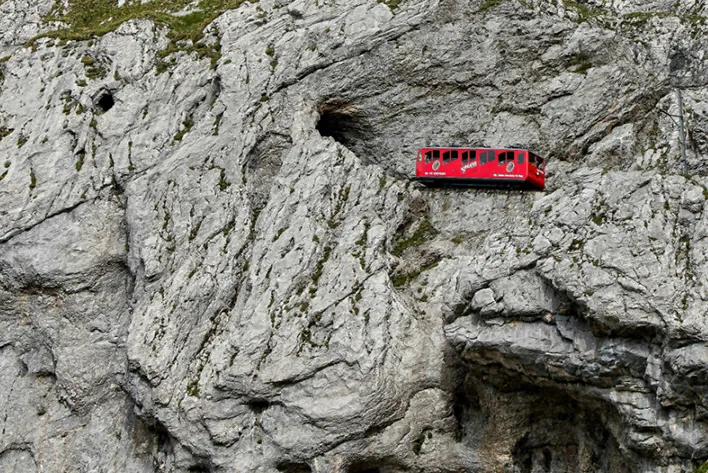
<point x="227" y="268"/>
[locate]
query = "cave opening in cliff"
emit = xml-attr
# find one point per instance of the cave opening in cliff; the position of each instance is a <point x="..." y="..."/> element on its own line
<point x="105" y="101"/>
<point x="545" y="429"/>
<point x="345" y="124"/>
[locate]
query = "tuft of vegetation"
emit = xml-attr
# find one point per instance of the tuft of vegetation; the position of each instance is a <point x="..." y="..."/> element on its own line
<point x="382" y="181"/>
<point x="278" y="233"/>
<point x="576" y="245"/>
<point x="21" y="141"/>
<point x="195" y="231"/>
<point x="193" y="388"/>
<point x="33" y="181"/>
<point x="217" y="124"/>
<point x="2" y="61"/>
<point x="423" y="233"/>
<point x="80" y="161"/>
<point x="94" y="69"/>
<point x="489" y="4"/>
<point x="701" y="469"/>
<point x="580" y="63"/>
<point x="187" y="125"/>
<point x="403" y="279"/>
<point x="585" y="12"/>
<point x="223" y="183"/>
<point x="598" y="218"/>
<point x="458" y="239"/>
<point x="5" y="132"/>
<point x="320" y="265"/>
<point x="391" y="4"/>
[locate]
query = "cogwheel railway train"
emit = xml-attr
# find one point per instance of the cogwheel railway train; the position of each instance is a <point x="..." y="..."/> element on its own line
<point x="484" y="167"/>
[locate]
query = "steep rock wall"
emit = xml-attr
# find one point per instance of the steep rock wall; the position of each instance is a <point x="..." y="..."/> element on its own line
<point x="228" y="269"/>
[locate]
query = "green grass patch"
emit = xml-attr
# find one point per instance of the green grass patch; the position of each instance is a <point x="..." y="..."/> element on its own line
<point x="86" y="19"/>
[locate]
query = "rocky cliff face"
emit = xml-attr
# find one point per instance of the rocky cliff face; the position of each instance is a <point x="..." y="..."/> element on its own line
<point x="212" y="258"/>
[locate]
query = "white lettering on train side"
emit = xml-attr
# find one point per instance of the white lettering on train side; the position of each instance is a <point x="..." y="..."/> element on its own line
<point x="471" y="165"/>
<point x="509" y="175"/>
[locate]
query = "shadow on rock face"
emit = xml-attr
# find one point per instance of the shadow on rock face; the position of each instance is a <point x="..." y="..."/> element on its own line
<point x="263" y="163"/>
<point x="375" y="466"/>
<point x="521" y="428"/>
<point x="563" y="435"/>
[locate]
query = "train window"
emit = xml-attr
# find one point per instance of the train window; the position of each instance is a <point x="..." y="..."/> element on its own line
<point x="449" y="156"/>
<point x="436" y="154"/>
<point x="483" y="157"/>
<point x="465" y="157"/>
<point x="532" y="159"/>
<point x="490" y="156"/>
<point x="520" y="158"/>
<point x="428" y="156"/>
<point x="505" y="157"/>
<point x="541" y="162"/>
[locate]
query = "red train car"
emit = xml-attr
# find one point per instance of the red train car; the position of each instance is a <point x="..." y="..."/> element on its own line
<point x="455" y="166"/>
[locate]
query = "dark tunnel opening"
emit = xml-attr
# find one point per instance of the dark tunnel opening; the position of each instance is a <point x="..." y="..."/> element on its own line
<point x="346" y="125"/>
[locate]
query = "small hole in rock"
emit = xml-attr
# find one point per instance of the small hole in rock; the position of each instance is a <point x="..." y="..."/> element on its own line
<point x="105" y="101"/>
<point x="258" y="405"/>
<point x="294" y="468"/>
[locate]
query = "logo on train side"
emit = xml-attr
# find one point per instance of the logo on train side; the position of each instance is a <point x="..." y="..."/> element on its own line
<point x="471" y="165"/>
<point x="509" y="167"/>
<point x="436" y="165"/>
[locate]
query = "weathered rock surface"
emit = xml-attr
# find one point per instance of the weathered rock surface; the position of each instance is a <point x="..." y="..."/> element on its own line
<point x="229" y="269"/>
